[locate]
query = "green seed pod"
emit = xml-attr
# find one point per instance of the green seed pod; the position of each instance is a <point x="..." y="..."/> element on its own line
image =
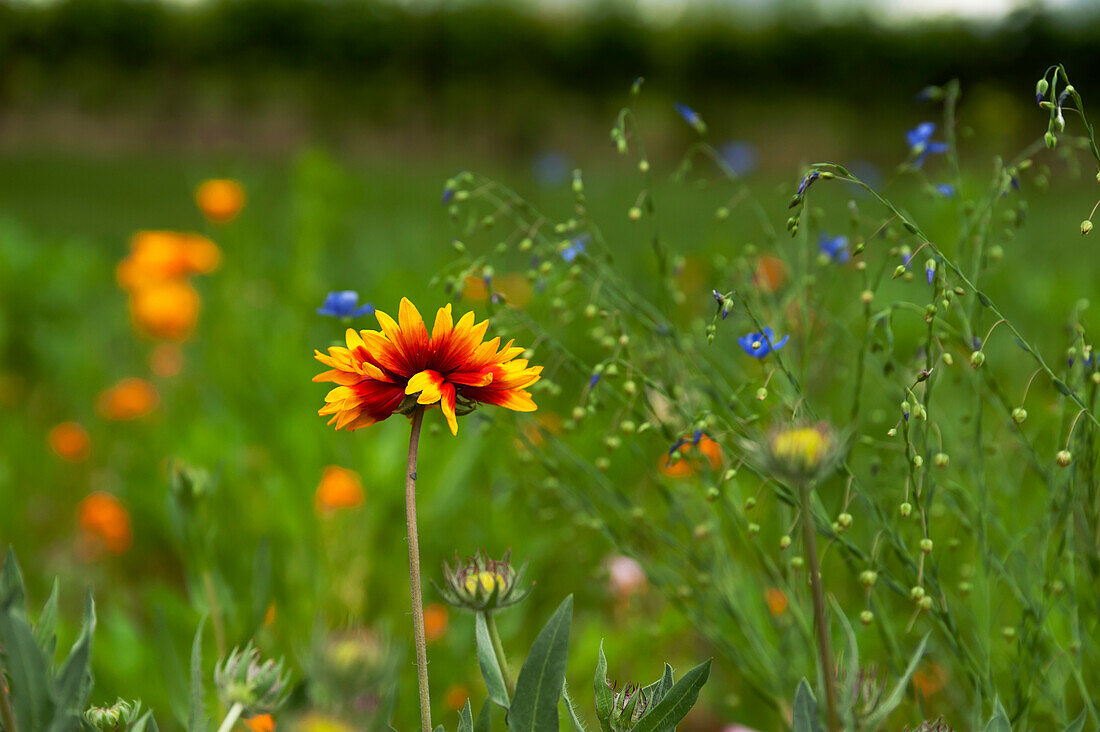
<point x="845" y="520"/>
<point x="977" y="358"/>
<point x="634" y="214"/>
<point x="916" y="593"/>
<point x="906" y="509"/>
<point x="866" y="617"/>
<point x="941" y="460"/>
<point x="926" y="546"/>
<point x="925" y="603"/>
<point x="1064" y="458"/>
<point x="1086" y="227"/>
<point x="784" y="542"/>
<point x="868" y="577"/>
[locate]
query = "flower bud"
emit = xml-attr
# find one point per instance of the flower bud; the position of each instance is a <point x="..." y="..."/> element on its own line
<point x="1050" y="140"/>
<point x="845" y="520"/>
<point x="1041" y="88"/>
<point x="868" y="577"/>
<point x="941" y="460"/>
<point x="1064" y="458"/>
<point x="1019" y="414"/>
<point x="948" y="359"/>
<point x="634" y="213"/>
<point x="784" y="542"/>
<point x="906" y="509"/>
<point x="925" y="603"/>
<point x="761" y="394"/>
<point x="257" y="684"/>
<point x="750" y="503"/>
<point x="483" y="584"/>
<point x="866" y="617"/>
<point x="916" y="593"/>
<point x="796" y="563"/>
<point x="722" y="213"/>
<point x="926" y="546"/>
<point x="643" y="166"/>
<point x="753" y="529"/>
<point x="918" y="462"/>
<point x="977" y="358"/>
<point x="1086" y="227"/>
<point x="116" y="718"/>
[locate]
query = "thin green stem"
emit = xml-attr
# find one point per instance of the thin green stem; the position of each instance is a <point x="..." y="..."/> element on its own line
<point x="216" y="618"/>
<point x="414" y="572"/>
<point x="821" y="623"/>
<point x="498" y="650"/>
<point x="7" y="716"/>
<point x="231" y="718"/>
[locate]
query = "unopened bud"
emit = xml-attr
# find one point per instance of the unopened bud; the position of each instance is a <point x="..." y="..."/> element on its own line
<point x="941" y="460"/>
<point x="977" y="358"/>
<point x="926" y="546"/>
<point x="1064" y="457"/>
<point x="845" y="520"/>
<point x="868" y="577"/>
<point x="866" y="617"/>
<point x="1086" y="227"/>
<point x="905" y="509"/>
<point x="784" y="542"/>
<point x="1019" y="414"/>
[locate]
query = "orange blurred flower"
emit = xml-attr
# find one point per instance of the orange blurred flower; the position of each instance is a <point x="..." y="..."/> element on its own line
<point x="159" y="256"/>
<point x="435" y="621"/>
<point x="516" y="289"/>
<point x="693" y="457"/>
<point x="776" y="600"/>
<point x="260" y="723"/>
<point x="475" y="289"/>
<point x="166" y="360"/>
<point x="220" y="199"/>
<point x="167" y="310"/>
<point x="128" y="399"/>
<point x="456" y="697"/>
<point x="104" y="519"/>
<point x="453" y="367"/>
<point x="70" y="441"/>
<point x="339" y="488"/>
<point x="770" y="273"/>
<point x="929" y="679"/>
<point x="270" y="615"/>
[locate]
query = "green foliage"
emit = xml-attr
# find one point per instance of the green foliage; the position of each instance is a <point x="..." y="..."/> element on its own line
<point x="534" y="706"/>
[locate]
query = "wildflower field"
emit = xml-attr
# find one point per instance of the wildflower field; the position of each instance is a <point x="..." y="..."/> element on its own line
<point x="620" y="438"/>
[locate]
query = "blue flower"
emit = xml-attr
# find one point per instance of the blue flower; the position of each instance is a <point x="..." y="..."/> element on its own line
<point x="759" y="345"/>
<point x="551" y="169"/>
<point x="834" y="247"/>
<point x="921" y="142"/>
<point x="946" y="190"/>
<point x="691" y="117"/>
<point x="740" y="156"/>
<point x="807" y="181"/>
<point x="575" y="248"/>
<point x="342" y="304"/>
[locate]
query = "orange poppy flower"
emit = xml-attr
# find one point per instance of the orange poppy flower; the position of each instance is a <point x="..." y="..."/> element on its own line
<point x="70" y="441"/>
<point x="435" y="621"/>
<point x="339" y="488"/>
<point x="128" y="399"/>
<point x="776" y="600"/>
<point x="220" y="199"/>
<point x="770" y="273"/>
<point x="104" y="519"/>
<point x="167" y="310"/>
<point x="159" y="256"/>
<point x="166" y="360"/>
<point x="452" y="367"/>
<point x="693" y="457"/>
<point x="260" y="723"/>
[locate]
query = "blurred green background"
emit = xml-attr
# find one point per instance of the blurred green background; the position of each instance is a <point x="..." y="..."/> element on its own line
<point x="342" y="120"/>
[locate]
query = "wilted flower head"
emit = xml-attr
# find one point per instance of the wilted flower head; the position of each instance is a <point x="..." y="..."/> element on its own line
<point x="380" y="373"/>
<point x="761" y="344"/>
<point x="480" y="583"/>
<point x="800" y="452"/>
<point x="257" y="684"/>
<point x="344" y="304"/>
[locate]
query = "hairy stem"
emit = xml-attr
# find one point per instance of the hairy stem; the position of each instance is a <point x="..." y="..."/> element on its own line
<point x="498" y="650"/>
<point x="414" y="572"/>
<point x="821" y="623"/>
<point x="231" y="718"/>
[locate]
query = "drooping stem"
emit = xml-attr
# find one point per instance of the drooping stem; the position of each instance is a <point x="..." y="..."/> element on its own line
<point x="7" y="716"/>
<point x="231" y="718"/>
<point x="498" y="650"/>
<point x="414" y="572"/>
<point x="821" y="623"/>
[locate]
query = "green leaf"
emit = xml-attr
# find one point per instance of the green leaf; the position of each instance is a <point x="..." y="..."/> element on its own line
<point x="999" y="721"/>
<point x="538" y="688"/>
<point x="261" y="582"/>
<point x="983" y="298"/>
<point x="1062" y="387"/>
<point x="676" y="703"/>
<point x="851" y="663"/>
<point x="74" y="682"/>
<point x="24" y="662"/>
<point x="12" y="592"/>
<point x="571" y="707"/>
<point x="1078" y="724"/>
<point x="484" y="722"/>
<point x="890" y="702"/>
<point x="439" y="728"/>
<point x="604" y="694"/>
<point x="487" y="660"/>
<point x="656" y="691"/>
<point x="171" y="668"/>
<point x="466" y="719"/>
<point x="805" y="709"/>
<point x="47" y="623"/>
<point x="196" y="721"/>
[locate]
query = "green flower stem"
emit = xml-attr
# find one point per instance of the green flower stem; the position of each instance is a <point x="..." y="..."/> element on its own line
<point x="821" y="623"/>
<point x="215" y="611"/>
<point x="414" y="572"/>
<point x="7" y="716"/>
<point x="231" y="718"/>
<point x="498" y="649"/>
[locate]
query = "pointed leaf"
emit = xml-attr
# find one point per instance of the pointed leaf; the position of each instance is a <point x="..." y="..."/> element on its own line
<point x="197" y="717"/>
<point x="604" y="695"/>
<point x="656" y="691"/>
<point x="999" y="721"/>
<point x="677" y="702"/>
<point x="571" y="707"/>
<point x="888" y="704"/>
<point x="805" y="709"/>
<point x="484" y="722"/>
<point x="74" y="681"/>
<point x="538" y="688"/>
<point x="466" y="719"/>
<point x="851" y="663"/>
<point x="1078" y="724"/>
<point x="12" y="592"/>
<point x="26" y="667"/>
<point x="487" y="660"/>
<point x="47" y="623"/>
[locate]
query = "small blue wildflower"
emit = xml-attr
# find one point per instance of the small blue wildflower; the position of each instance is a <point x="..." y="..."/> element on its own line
<point x="343" y="304"/>
<point x="921" y="142"/>
<point x="594" y="380"/>
<point x="946" y="190"/>
<point x="930" y="270"/>
<point x="740" y="156"/>
<point x="696" y="436"/>
<point x="807" y="181"/>
<point x="834" y="247"/>
<point x="551" y="169"/>
<point x="723" y="301"/>
<point x="448" y="194"/>
<point x="976" y="342"/>
<point x="759" y="345"/>
<point x="576" y="247"/>
<point x="691" y="117"/>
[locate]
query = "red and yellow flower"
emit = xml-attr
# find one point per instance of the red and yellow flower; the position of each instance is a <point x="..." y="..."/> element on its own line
<point x="400" y="366"/>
